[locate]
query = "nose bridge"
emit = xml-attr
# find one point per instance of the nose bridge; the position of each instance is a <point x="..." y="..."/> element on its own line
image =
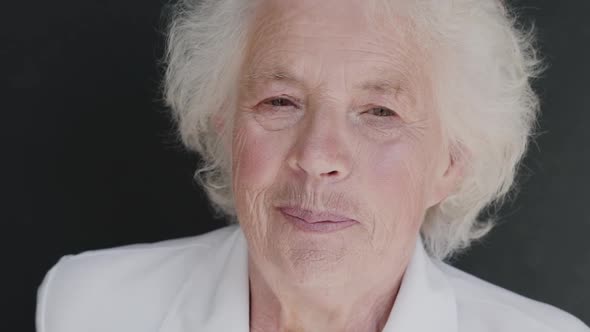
<point x="321" y="150"/>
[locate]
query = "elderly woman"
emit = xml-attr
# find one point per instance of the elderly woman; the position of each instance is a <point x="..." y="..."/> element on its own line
<point x="354" y="144"/>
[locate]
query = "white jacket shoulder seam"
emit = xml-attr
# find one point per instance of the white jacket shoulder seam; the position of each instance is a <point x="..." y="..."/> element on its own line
<point x="44" y="293"/>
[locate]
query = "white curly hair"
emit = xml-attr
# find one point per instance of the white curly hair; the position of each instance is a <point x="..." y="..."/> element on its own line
<point x="484" y="63"/>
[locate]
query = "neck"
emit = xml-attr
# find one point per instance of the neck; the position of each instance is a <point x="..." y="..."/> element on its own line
<point x="278" y="306"/>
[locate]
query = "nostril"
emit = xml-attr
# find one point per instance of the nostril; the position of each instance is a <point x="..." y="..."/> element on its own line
<point x="333" y="173"/>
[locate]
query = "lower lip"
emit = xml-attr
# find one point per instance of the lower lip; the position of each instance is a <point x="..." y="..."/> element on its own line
<point x="318" y="227"/>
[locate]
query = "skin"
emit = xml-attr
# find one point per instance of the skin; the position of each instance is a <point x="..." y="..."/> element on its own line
<point x="334" y="111"/>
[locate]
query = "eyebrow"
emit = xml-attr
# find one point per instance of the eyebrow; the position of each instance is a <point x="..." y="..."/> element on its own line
<point x="381" y="86"/>
<point x="276" y="74"/>
<point x="389" y="84"/>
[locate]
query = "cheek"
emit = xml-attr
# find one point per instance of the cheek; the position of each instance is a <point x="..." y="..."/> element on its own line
<point x="395" y="183"/>
<point x="403" y="170"/>
<point x="256" y="158"/>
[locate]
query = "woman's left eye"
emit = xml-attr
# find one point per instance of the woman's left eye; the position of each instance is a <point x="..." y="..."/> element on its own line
<point x="381" y="112"/>
<point x="279" y="102"/>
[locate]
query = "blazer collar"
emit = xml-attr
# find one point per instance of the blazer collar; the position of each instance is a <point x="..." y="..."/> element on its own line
<point x="218" y="300"/>
<point x="425" y="300"/>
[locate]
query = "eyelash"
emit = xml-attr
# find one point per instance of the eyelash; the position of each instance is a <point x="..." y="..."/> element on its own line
<point x="271" y="102"/>
<point x="389" y="111"/>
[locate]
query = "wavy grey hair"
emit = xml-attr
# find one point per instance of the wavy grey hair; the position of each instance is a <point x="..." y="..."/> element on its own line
<point x="484" y="63"/>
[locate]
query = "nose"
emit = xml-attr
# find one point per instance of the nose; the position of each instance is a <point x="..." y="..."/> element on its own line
<point x="321" y="151"/>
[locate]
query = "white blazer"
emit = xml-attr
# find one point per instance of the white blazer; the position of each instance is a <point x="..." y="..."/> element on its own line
<point x="201" y="284"/>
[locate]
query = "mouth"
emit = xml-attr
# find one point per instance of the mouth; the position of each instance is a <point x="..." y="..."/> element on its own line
<point x="316" y="221"/>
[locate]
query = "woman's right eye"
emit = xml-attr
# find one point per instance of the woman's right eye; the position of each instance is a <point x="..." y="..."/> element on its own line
<point x="278" y="113"/>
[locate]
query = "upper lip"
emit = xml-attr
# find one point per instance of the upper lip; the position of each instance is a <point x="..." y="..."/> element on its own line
<point x="313" y="216"/>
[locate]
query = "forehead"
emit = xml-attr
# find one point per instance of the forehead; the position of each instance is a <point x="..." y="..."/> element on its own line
<point x="336" y="37"/>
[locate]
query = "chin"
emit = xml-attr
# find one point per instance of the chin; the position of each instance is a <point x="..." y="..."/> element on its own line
<point x="316" y="268"/>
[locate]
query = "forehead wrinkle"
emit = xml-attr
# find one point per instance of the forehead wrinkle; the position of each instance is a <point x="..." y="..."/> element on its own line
<point x="387" y="80"/>
<point x="270" y="67"/>
<point x="396" y="48"/>
<point x="393" y="67"/>
<point x="388" y="73"/>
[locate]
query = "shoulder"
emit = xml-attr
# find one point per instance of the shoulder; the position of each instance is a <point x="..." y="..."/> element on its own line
<point x="482" y="306"/>
<point x="134" y="283"/>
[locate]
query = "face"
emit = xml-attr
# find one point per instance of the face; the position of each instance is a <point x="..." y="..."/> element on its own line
<point x="334" y="123"/>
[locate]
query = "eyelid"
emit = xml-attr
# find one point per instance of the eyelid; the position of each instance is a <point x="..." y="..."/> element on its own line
<point x="269" y="100"/>
<point x="372" y="107"/>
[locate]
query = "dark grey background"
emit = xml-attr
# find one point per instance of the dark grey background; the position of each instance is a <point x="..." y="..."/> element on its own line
<point x="97" y="164"/>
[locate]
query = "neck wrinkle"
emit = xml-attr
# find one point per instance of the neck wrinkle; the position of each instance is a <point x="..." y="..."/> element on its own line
<point x="285" y="312"/>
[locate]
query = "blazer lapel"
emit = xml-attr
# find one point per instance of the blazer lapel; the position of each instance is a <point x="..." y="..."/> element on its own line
<point x="216" y="295"/>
